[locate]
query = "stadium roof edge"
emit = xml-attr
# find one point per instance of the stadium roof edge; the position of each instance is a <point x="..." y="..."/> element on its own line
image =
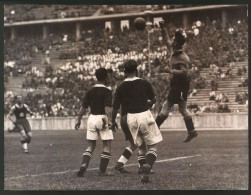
<point x="111" y="16"/>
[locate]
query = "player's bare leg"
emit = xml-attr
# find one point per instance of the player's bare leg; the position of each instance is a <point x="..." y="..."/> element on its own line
<point x="191" y="132"/>
<point x="105" y="157"/>
<point x="164" y="113"/>
<point x="24" y="141"/>
<point x="86" y="157"/>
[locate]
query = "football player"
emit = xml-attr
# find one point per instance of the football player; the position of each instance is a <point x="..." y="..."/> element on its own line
<point x="127" y="153"/>
<point x="99" y="99"/>
<point x="20" y="110"/>
<point x="180" y="82"/>
<point x="134" y="94"/>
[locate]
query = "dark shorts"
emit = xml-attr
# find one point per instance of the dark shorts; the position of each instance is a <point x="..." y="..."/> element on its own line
<point x="23" y="124"/>
<point x="125" y="128"/>
<point x="176" y="95"/>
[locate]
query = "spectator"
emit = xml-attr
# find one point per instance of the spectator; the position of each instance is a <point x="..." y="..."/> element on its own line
<point x="218" y="97"/>
<point x="212" y="95"/>
<point x="214" y="84"/>
<point x="224" y="98"/>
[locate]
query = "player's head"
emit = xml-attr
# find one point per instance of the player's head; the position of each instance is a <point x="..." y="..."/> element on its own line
<point x="130" y="67"/>
<point x="101" y="74"/>
<point x="19" y="99"/>
<point x="179" y="40"/>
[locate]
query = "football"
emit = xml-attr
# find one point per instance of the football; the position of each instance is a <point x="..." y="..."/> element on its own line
<point x="140" y="23"/>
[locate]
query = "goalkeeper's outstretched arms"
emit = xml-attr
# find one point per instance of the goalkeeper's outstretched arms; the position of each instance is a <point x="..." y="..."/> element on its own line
<point x="164" y="34"/>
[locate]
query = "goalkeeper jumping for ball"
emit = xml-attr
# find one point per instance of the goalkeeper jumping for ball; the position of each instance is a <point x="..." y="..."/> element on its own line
<point x="180" y="82"/>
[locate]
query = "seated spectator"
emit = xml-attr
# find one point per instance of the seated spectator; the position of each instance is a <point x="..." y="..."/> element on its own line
<point x="194" y="108"/>
<point x="214" y="84"/>
<point x="244" y="70"/>
<point x="193" y="93"/>
<point x="205" y="108"/>
<point x="222" y="75"/>
<point x="223" y="108"/>
<point x="224" y="98"/>
<point x="212" y="95"/>
<point x="218" y="97"/>
<point x="229" y="73"/>
<point x="239" y="72"/>
<point x="214" y="107"/>
<point x="237" y="97"/>
<point x="245" y="97"/>
<point x="244" y="82"/>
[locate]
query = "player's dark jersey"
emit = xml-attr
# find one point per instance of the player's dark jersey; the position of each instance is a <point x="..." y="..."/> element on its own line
<point x="180" y="83"/>
<point x="133" y="94"/>
<point x="97" y="98"/>
<point x="20" y="111"/>
<point x="180" y="61"/>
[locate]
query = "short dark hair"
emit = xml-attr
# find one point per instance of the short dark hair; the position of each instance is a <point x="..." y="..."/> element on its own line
<point x="130" y="66"/>
<point x="101" y="74"/>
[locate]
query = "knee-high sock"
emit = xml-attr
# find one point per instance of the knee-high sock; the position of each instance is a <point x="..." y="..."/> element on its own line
<point x="141" y="160"/>
<point x="105" y="157"/>
<point x="160" y="119"/>
<point x="86" y="158"/>
<point x="151" y="157"/>
<point x="125" y="156"/>
<point x="189" y="123"/>
<point x="24" y="144"/>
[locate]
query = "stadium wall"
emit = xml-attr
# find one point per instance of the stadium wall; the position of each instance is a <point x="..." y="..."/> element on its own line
<point x="210" y="121"/>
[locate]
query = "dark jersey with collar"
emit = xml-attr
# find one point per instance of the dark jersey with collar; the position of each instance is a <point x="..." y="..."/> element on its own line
<point x="97" y="98"/>
<point x="20" y="111"/>
<point x="133" y="95"/>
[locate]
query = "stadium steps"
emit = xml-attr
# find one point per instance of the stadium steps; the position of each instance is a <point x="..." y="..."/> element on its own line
<point x="229" y="87"/>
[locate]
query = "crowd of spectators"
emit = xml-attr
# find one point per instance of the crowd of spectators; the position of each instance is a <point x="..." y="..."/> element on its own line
<point x="68" y="84"/>
<point x="29" y="12"/>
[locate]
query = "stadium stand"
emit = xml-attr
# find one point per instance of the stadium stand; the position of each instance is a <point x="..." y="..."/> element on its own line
<point x="47" y="70"/>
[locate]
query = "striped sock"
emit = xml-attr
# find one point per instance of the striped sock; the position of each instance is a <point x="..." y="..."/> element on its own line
<point x="141" y="160"/>
<point x="125" y="156"/>
<point x="86" y="158"/>
<point x="105" y="157"/>
<point x="151" y="157"/>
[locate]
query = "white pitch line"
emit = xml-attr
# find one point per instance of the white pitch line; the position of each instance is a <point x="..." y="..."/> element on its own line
<point x="94" y="169"/>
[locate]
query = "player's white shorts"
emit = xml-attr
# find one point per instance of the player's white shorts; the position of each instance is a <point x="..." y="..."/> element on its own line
<point x="95" y="128"/>
<point x="144" y="128"/>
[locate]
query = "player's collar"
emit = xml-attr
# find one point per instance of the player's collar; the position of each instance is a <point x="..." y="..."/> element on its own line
<point x="101" y="85"/>
<point x="19" y="106"/>
<point x="131" y="79"/>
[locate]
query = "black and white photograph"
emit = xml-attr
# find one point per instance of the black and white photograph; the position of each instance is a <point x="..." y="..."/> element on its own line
<point x="125" y="96"/>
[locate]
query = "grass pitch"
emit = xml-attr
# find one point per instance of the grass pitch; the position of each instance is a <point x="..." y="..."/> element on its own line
<point x="215" y="160"/>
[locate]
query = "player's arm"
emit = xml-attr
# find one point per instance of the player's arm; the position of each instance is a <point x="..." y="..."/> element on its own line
<point x="82" y="111"/>
<point x="151" y="95"/>
<point x="115" y="109"/>
<point x="108" y="107"/>
<point x="28" y="110"/>
<point x="183" y="70"/>
<point x="164" y="34"/>
<point x="11" y="113"/>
